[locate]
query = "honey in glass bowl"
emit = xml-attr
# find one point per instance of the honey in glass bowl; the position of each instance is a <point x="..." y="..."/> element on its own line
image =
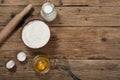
<point x="41" y="64"/>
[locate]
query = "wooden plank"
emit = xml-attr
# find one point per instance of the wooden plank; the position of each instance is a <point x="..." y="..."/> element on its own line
<point x="92" y="2"/>
<point x="88" y="69"/>
<point x="64" y="2"/>
<point x="25" y="2"/>
<point x="82" y="42"/>
<point x="87" y="16"/>
<point x="81" y="2"/>
<point x="79" y="16"/>
<point x="109" y="2"/>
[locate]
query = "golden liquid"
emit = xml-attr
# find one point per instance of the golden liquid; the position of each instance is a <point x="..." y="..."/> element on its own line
<point x="41" y="64"/>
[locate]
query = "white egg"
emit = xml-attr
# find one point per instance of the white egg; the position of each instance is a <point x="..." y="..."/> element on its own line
<point x="10" y="64"/>
<point x="21" y="56"/>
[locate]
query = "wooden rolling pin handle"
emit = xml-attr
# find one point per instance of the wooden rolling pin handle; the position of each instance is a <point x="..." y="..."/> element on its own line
<point x="13" y="23"/>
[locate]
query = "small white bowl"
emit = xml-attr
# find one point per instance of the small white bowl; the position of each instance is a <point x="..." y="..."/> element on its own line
<point x="10" y="64"/>
<point x="21" y="56"/>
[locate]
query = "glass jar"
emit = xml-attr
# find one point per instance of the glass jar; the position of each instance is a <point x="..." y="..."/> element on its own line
<point x="48" y="12"/>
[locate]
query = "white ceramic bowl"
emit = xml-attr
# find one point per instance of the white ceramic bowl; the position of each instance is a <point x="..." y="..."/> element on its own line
<point x="35" y="34"/>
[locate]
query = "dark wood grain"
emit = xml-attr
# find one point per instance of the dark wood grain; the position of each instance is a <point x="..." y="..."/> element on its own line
<point x="100" y="3"/>
<point x="79" y="16"/>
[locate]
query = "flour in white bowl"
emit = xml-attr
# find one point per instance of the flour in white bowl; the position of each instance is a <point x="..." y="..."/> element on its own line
<point x="36" y="34"/>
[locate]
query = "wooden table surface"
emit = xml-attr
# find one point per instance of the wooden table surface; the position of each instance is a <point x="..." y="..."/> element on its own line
<point x="86" y="32"/>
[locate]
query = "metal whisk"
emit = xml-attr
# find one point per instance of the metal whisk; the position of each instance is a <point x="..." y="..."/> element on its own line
<point x="63" y="64"/>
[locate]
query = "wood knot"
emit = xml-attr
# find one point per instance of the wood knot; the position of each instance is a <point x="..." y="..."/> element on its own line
<point x="104" y="39"/>
<point x="100" y="6"/>
<point x="1" y="65"/>
<point x="86" y="19"/>
<point x="54" y="38"/>
<point x="79" y="10"/>
<point x="1" y="1"/>
<point x="60" y="9"/>
<point x="25" y="68"/>
<point x="12" y="15"/>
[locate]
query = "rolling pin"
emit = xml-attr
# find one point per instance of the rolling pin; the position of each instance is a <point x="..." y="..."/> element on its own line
<point x="13" y="23"/>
